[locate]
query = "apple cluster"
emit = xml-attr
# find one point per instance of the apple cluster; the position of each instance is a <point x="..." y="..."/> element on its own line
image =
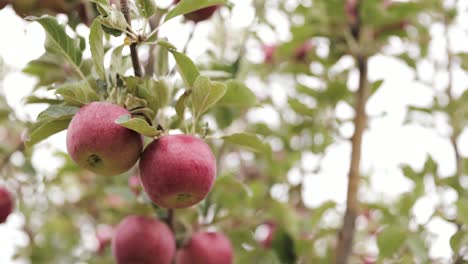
<point x="139" y="239"/>
<point x="176" y="171"/>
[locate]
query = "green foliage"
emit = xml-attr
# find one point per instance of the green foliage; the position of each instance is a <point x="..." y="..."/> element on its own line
<point x="214" y="101"/>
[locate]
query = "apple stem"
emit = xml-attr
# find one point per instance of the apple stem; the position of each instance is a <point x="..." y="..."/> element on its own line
<point x="346" y="234"/>
<point x="133" y="46"/>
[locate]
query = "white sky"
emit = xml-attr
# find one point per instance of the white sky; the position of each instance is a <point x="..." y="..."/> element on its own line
<point x="387" y="144"/>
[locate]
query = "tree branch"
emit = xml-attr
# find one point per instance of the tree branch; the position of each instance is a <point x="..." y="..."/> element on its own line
<point x="133" y="46"/>
<point x="346" y="234"/>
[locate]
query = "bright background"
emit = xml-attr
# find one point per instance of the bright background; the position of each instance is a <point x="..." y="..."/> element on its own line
<point x="388" y="142"/>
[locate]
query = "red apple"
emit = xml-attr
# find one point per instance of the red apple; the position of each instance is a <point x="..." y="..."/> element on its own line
<point x="98" y="144"/>
<point x="104" y="236"/>
<point x="201" y="14"/>
<point x="6" y="204"/>
<point x="143" y="240"/>
<point x="269" y="53"/>
<point x="177" y="171"/>
<point x="134" y="184"/>
<point x="206" y="248"/>
<point x="302" y="51"/>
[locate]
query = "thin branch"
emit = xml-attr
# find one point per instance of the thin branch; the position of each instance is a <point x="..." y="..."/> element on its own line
<point x="133" y="47"/>
<point x="346" y="234"/>
<point x="154" y="23"/>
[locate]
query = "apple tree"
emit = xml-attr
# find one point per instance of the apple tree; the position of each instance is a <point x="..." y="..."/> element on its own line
<point x="167" y="160"/>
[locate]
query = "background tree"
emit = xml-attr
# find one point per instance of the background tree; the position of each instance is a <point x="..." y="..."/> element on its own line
<point x="317" y="62"/>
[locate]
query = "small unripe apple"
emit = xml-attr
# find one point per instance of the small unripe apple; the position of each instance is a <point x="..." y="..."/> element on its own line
<point x="6" y="204"/>
<point x="177" y="171"/>
<point x="201" y="14"/>
<point x="98" y="144"/>
<point x="206" y="248"/>
<point x="300" y="55"/>
<point x="143" y="240"/>
<point x="134" y="184"/>
<point x="269" y="53"/>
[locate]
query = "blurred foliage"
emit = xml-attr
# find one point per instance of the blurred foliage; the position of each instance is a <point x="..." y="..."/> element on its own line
<point x="63" y="209"/>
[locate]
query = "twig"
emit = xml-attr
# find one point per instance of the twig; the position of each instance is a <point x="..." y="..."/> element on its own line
<point x="154" y="23"/>
<point x="133" y="46"/>
<point x="346" y="234"/>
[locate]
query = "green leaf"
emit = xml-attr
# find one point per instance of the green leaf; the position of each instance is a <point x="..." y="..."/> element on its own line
<point x="46" y="128"/>
<point x="301" y="108"/>
<point x="376" y="85"/>
<point x="249" y="141"/>
<point x="114" y="20"/>
<point x="187" y="69"/>
<point x="188" y="6"/>
<point x="58" y="41"/>
<point x="97" y="48"/>
<point x="116" y="65"/>
<point x="41" y="100"/>
<point x="181" y="103"/>
<point x="390" y="240"/>
<point x="58" y="111"/>
<point x="77" y="93"/>
<point x="138" y="125"/>
<point x="238" y="95"/>
<point x="462" y="208"/>
<point x="147" y="8"/>
<point x="205" y="95"/>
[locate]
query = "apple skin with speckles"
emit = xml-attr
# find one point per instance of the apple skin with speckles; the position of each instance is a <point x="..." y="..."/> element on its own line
<point x="201" y="14"/>
<point x="177" y="171"/>
<point x="98" y="144"/>
<point x="206" y="248"/>
<point x="6" y="204"/>
<point x="143" y="240"/>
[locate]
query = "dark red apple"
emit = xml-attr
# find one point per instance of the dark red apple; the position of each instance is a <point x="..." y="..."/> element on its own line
<point x="269" y="53"/>
<point x="143" y="240"/>
<point x="134" y="184"/>
<point x="206" y="248"/>
<point x="3" y="3"/>
<point x="97" y="143"/>
<point x="300" y="55"/>
<point x="6" y="204"/>
<point x="177" y="171"/>
<point x="201" y="14"/>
